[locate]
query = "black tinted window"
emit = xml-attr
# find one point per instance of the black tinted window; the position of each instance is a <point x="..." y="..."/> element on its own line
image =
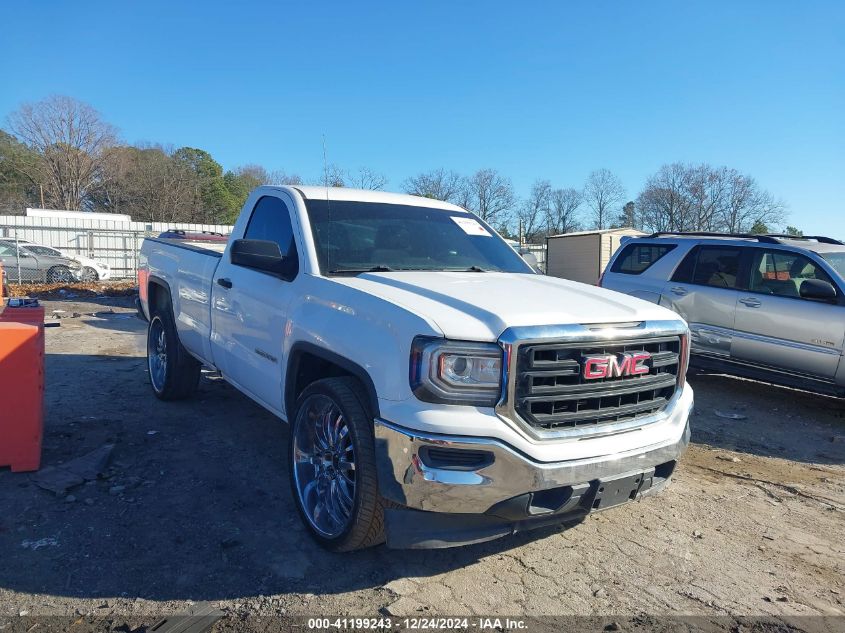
<point x="636" y="258"/>
<point x="352" y="237"/>
<point x="716" y="266"/>
<point x="270" y="221"/>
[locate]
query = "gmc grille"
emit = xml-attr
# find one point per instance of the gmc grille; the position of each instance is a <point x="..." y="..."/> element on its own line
<point x="551" y="392"/>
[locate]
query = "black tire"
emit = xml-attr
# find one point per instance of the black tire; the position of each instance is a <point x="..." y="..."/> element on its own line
<point x="88" y="274"/>
<point x="59" y="275"/>
<point x="181" y="371"/>
<point x="365" y="527"/>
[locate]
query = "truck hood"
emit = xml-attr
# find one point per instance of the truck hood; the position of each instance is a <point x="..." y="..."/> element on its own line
<point x="480" y="306"/>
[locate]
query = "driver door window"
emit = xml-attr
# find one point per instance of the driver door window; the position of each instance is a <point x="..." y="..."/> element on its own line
<point x="781" y="273"/>
<point x="270" y="221"/>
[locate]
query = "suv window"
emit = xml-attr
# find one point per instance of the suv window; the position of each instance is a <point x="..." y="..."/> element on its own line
<point x="716" y="266"/>
<point x="781" y="273"/>
<point x="270" y="221"/>
<point x="637" y="258"/>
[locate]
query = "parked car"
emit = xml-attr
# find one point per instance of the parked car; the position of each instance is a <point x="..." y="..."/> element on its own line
<point x="438" y="392"/>
<point x="24" y="265"/>
<point x="770" y="307"/>
<point x="91" y="270"/>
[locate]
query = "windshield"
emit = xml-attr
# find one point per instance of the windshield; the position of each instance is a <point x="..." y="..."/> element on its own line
<point x="364" y="236"/>
<point x="837" y="260"/>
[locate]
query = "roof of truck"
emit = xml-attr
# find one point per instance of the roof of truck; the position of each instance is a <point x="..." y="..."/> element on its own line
<point x="364" y="195"/>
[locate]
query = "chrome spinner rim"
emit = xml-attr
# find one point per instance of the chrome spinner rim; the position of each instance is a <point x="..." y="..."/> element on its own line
<point x="157" y="354"/>
<point x="324" y="465"/>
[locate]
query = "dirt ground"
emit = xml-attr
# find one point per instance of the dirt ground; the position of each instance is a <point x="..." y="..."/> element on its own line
<point x="195" y="507"/>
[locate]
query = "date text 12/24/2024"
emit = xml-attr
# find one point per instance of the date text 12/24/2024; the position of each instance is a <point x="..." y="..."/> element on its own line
<point x="418" y="624"/>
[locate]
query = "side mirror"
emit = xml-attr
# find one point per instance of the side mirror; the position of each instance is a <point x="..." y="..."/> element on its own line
<point x="817" y="289"/>
<point x="261" y="255"/>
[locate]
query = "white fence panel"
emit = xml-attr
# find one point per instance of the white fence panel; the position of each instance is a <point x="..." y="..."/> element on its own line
<point x="115" y="243"/>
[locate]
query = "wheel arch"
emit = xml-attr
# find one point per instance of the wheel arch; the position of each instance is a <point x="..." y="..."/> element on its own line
<point x="158" y="294"/>
<point x="308" y="362"/>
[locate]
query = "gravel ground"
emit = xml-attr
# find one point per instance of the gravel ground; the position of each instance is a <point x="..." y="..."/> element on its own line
<point x="195" y="508"/>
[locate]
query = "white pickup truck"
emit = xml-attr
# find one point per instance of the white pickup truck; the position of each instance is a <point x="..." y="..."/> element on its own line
<point x="438" y="391"/>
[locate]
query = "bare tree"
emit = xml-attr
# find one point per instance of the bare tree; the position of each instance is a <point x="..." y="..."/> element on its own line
<point x="663" y="203"/>
<point x="746" y="204"/>
<point x="703" y="198"/>
<point x="533" y="212"/>
<point x="603" y="193"/>
<point x="146" y="183"/>
<point x="334" y="176"/>
<point x="440" y="184"/>
<point x="73" y="143"/>
<point x="366" y="178"/>
<point x="489" y="195"/>
<point x="281" y="177"/>
<point x="563" y="212"/>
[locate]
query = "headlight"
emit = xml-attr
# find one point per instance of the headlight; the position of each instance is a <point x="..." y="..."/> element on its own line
<point x="456" y="372"/>
<point x="74" y="265"/>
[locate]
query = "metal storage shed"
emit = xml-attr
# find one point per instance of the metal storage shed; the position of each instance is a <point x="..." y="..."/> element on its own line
<point x="583" y="256"/>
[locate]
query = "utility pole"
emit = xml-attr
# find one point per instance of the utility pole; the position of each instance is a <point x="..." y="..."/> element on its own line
<point x="41" y="187"/>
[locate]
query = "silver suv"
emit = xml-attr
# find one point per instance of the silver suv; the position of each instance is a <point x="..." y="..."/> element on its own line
<point x="770" y="307"/>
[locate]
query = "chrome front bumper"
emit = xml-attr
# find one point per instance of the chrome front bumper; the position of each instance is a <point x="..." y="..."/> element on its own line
<point x="406" y="479"/>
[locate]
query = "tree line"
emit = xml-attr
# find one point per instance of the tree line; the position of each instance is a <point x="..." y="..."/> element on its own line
<point x="60" y="153"/>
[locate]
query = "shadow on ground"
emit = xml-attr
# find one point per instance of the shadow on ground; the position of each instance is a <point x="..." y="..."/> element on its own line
<point x="772" y="421"/>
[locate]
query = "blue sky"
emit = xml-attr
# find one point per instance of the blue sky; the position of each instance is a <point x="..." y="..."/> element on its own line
<point x="536" y="90"/>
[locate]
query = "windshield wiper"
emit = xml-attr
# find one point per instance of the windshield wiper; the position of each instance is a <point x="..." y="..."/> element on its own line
<point x="374" y="269"/>
<point x="471" y="269"/>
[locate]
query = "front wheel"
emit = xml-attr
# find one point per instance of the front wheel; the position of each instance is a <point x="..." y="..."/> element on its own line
<point x="88" y="274"/>
<point x="59" y="275"/>
<point x="332" y="466"/>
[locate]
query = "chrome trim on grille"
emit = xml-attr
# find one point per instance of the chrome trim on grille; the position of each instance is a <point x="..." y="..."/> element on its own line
<point x="514" y="338"/>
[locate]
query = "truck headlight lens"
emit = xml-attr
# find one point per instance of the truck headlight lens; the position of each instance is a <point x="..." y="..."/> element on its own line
<point x="456" y="372"/>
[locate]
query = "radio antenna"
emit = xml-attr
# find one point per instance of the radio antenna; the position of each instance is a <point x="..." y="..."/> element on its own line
<point x="328" y="209"/>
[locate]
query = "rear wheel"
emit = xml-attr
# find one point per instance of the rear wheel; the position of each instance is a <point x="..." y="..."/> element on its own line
<point x="332" y="466"/>
<point x="174" y="373"/>
<point x="59" y="275"/>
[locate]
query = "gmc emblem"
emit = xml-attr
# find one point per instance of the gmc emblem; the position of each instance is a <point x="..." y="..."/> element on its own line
<point x="616" y="366"/>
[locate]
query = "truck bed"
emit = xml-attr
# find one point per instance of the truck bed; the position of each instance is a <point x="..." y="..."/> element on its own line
<point x="188" y="269"/>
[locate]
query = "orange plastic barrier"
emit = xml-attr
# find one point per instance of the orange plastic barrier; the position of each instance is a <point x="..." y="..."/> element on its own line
<point x="21" y="387"/>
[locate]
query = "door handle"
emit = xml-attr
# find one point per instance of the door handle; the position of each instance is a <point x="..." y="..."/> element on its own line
<point x="678" y="290"/>
<point x="226" y="283"/>
<point x="751" y="302"/>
